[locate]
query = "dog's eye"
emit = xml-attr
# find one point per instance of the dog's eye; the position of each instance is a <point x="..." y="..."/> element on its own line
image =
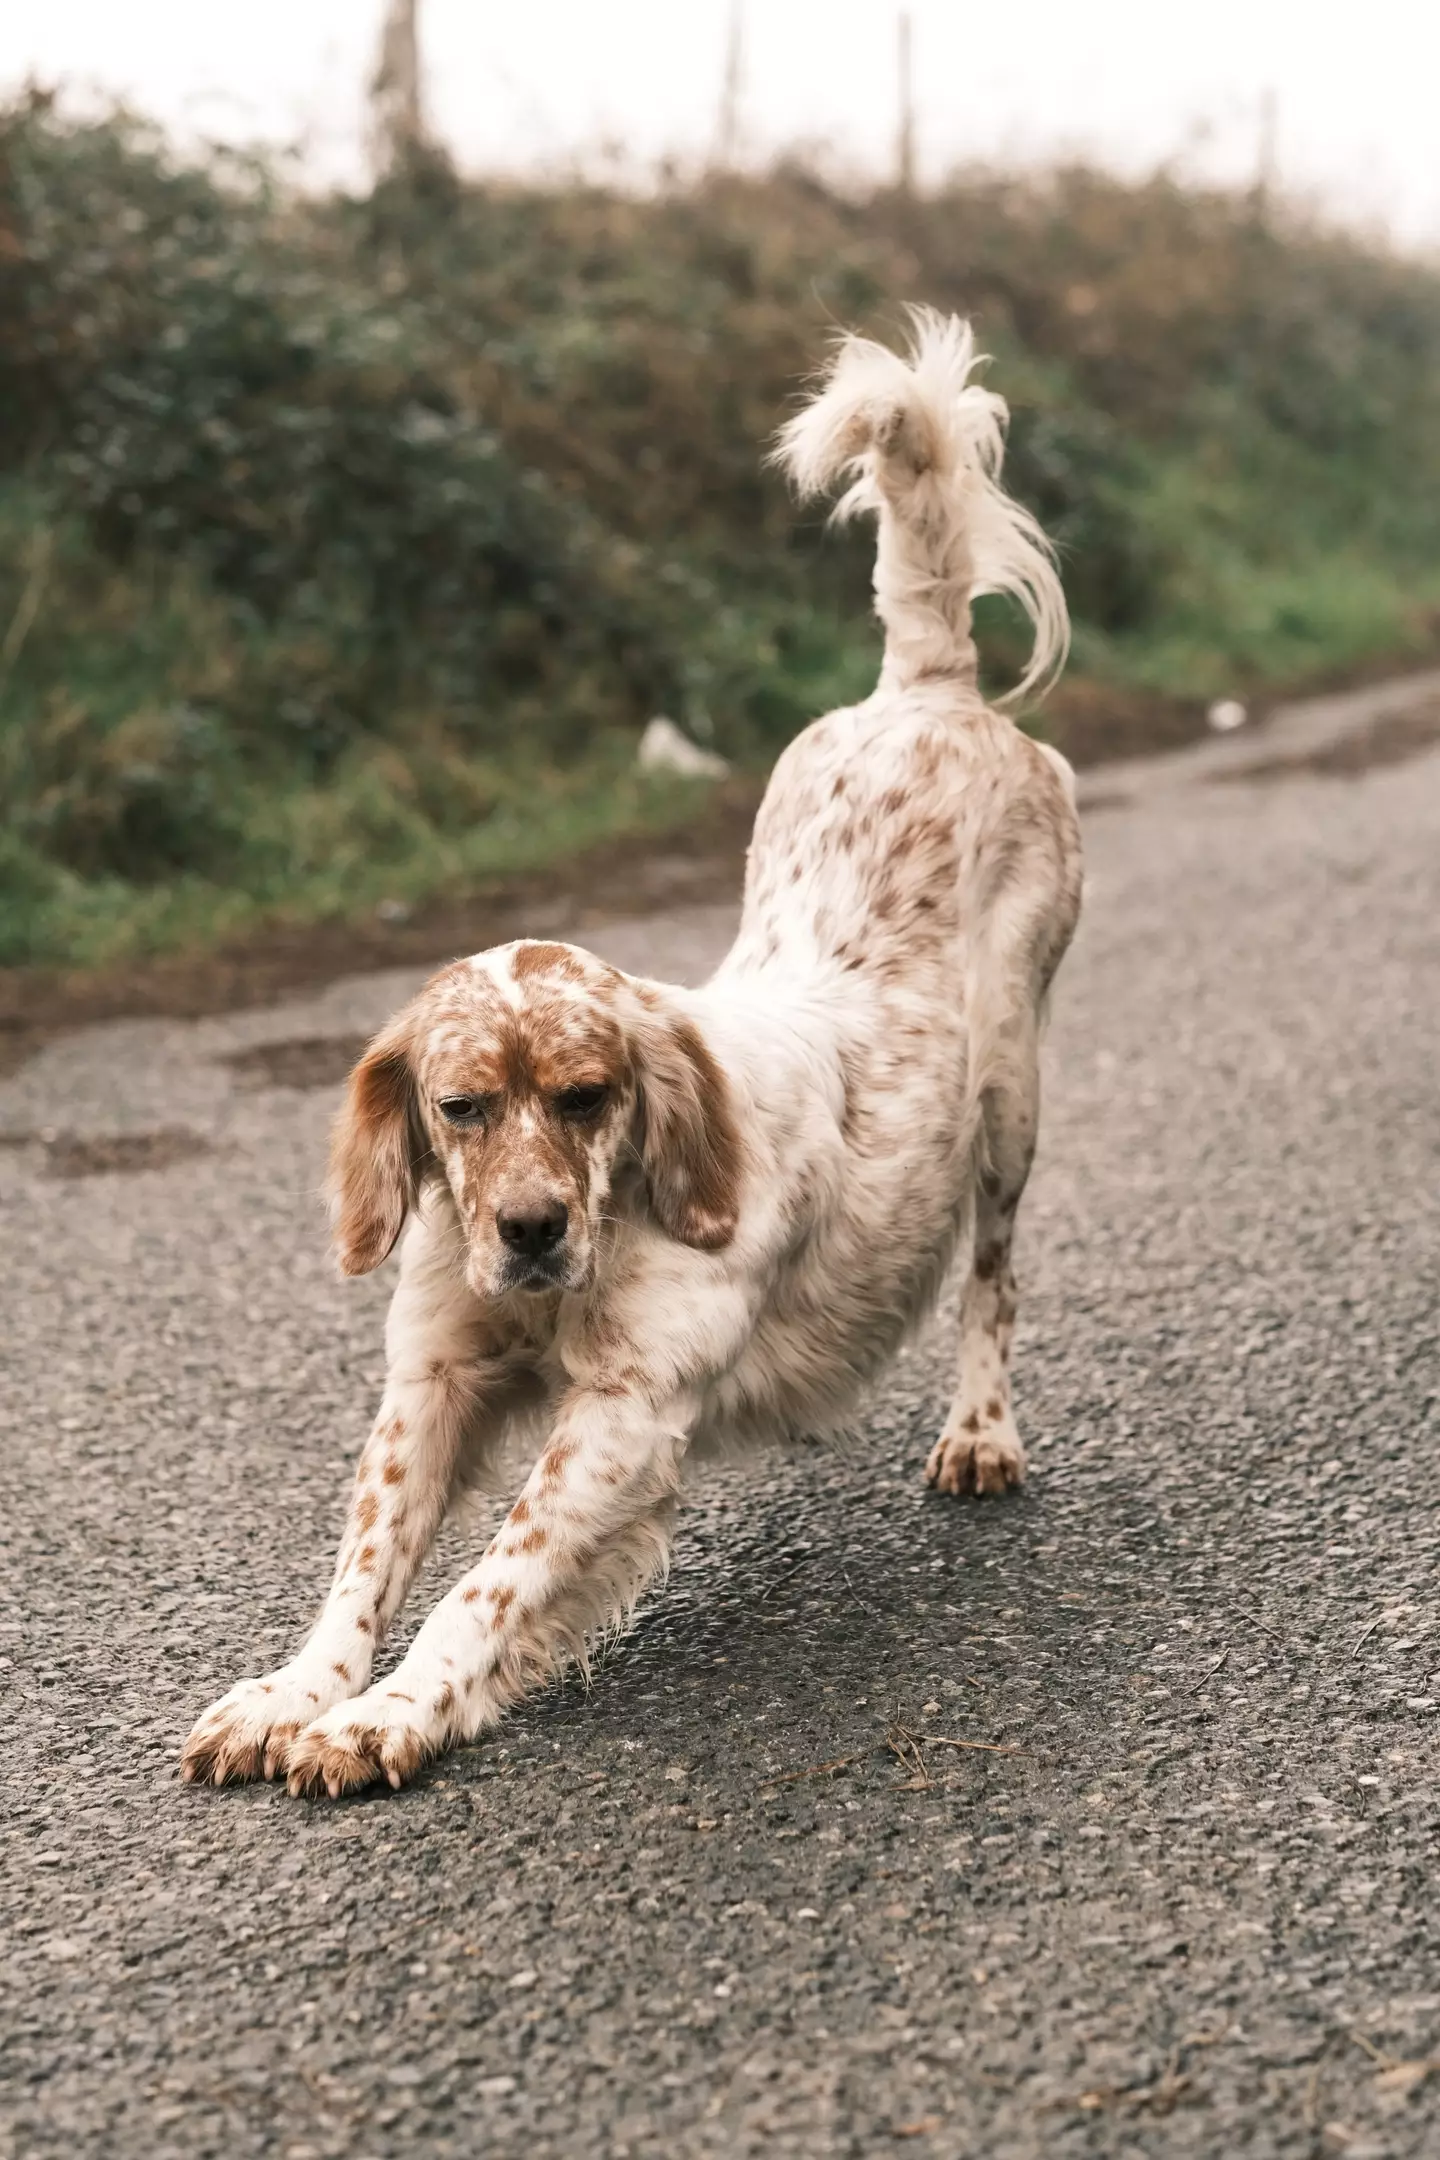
<point x="462" y="1109"/>
<point x="580" y="1102"/>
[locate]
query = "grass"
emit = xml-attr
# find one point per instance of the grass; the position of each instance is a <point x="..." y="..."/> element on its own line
<point x="346" y="545"/>
<point x="360" y="844"/>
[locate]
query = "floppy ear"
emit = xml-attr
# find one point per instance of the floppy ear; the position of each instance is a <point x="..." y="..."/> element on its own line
<point x="689" y="1143"/>
<point x="377" y="1150"/>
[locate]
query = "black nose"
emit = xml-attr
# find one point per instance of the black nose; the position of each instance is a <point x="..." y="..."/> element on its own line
<point x="533" y="1231"/>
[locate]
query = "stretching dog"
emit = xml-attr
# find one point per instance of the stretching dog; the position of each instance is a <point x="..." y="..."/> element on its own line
<point x="644" y="1220"/>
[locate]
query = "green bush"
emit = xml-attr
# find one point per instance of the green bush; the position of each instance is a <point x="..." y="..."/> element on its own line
<point x="346" y="543"/>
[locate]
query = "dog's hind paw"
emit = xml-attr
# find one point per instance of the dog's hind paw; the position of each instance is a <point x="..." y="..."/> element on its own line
<point x="978" y="1452"/>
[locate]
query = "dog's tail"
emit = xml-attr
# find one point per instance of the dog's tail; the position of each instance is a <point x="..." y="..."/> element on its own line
<point x="921" y="445"/>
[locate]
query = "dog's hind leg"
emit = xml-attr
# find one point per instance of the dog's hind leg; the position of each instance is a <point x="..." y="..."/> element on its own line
<point x="979" y="1451"/>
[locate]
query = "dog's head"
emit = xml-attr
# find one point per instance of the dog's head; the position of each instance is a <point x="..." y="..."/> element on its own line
<point x="542" y="1086"/>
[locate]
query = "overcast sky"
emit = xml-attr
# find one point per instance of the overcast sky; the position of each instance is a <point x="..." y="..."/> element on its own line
<point x="551" y="81"/>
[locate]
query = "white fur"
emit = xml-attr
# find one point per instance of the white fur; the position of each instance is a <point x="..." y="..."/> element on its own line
<point x="922" y="444"/>
<point x="913" y="883"/>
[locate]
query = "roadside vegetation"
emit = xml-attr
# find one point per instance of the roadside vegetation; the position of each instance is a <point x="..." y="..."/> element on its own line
<point x="347" y="544"/>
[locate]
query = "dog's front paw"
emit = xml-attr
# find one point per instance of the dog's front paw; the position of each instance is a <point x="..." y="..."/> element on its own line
<point x="385" y="1735"/>
<point x="978" y="1452"/>
<point x="248" y="1733"/>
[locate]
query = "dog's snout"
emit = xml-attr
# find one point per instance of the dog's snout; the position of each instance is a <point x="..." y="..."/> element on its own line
<point x="531" y="1231"/>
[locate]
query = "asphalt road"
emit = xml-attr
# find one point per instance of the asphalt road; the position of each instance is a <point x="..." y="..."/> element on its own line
<point x="1176" y="1893"/>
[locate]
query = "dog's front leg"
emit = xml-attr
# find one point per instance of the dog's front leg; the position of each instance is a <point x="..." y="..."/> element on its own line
<point x="590" y="1529"/>
<point x="441" y="1397"/>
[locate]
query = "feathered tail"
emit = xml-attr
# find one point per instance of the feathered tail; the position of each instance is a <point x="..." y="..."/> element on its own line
<point x="922" y="446"/>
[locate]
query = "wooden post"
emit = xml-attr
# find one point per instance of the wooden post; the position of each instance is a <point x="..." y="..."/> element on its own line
<point x="727" y="134"/>
<point x="1266" y="151"/>
<point x="905" y="134"/>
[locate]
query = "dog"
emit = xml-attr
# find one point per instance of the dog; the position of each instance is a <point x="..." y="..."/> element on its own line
<point x="639" y="1222"/>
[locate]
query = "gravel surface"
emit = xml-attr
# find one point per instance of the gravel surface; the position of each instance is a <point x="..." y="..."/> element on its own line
<point x="1175" y="1894"/>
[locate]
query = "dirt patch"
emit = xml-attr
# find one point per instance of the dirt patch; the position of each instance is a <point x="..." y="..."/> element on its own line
<point x="1097" y="723"/>
<point x="76" y="1155"/>
<point x="1392" y="740"/>
<point x="638" y="874"/>
<point x="302" y="1061"/>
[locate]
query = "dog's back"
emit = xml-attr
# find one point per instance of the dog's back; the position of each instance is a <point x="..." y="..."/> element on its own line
<point x="914" y="876"/>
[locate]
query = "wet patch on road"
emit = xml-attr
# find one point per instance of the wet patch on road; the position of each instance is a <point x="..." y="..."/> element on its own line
<point x="301" y="1061"/>
<point x="80" y="1155"/>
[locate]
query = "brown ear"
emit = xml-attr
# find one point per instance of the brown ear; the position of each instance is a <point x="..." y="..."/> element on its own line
<point x="377" y="1149"/>
<point x="689" y="1143"/>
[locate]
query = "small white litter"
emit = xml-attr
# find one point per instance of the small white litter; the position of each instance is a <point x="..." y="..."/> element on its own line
<point x="664" y="749"/>
<point x="1226" y="714"/>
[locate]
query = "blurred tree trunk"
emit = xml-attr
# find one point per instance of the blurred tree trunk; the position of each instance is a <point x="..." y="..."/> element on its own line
<point x="398" y="137"/>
